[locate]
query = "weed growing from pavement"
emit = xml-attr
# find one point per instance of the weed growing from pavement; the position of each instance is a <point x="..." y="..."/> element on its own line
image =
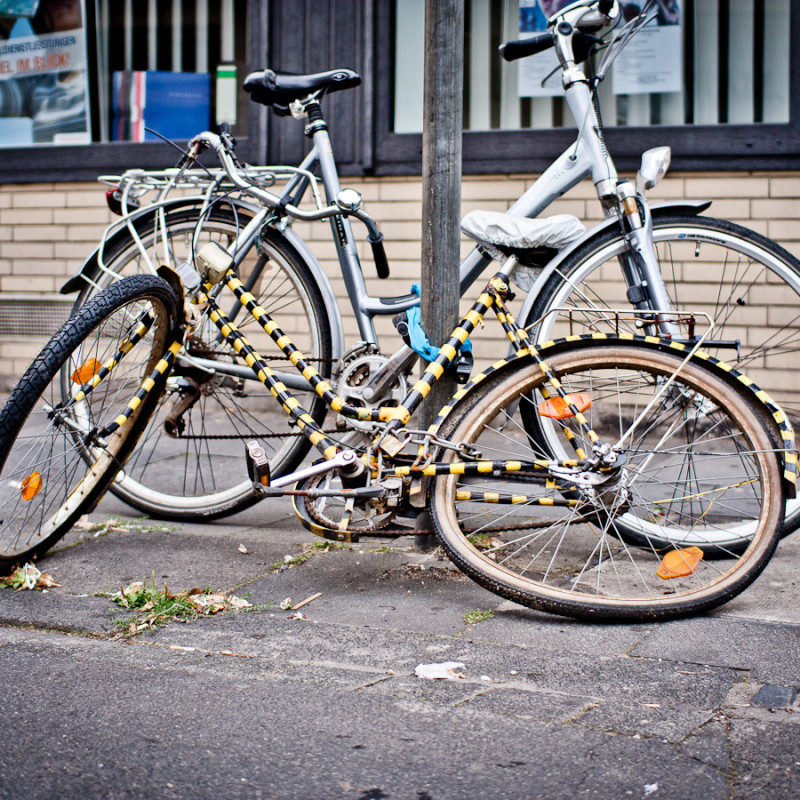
<point x="473" y="617"/>
<point x="309" y="550"/>
<point x="154" y="607"/>
<point x="112" y="524"/>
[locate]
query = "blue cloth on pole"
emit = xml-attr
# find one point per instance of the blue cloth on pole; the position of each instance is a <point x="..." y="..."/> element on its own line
<point x="420" y="343"/>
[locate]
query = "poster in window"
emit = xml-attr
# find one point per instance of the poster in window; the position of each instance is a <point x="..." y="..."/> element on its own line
<point x="538" y="75"/>
<point x="652" y="62"/>
<point x="44" y="95"/>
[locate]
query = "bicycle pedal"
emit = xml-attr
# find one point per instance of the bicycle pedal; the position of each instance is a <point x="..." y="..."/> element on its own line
<point x="257" y="464"/>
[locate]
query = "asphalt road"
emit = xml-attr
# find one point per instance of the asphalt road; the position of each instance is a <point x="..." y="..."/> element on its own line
<point x="257" y="704"/>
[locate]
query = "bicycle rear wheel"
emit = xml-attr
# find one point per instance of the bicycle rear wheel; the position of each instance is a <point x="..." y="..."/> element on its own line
<point x="190" y="463"/>
<point x="749" y="285"/>
<point x="55" y="459"/>
<point x="697" y="465"/>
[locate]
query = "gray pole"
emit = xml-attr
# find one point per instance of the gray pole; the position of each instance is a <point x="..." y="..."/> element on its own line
<point x="441" y="195"/>
<point x="441" y="180"/>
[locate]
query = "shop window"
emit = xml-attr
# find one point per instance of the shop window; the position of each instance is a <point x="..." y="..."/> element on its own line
<point x="109" y="73"/>
<point x="80" y="71"/>
<point x="702" y="62"/>
<point x="717" y="82"/>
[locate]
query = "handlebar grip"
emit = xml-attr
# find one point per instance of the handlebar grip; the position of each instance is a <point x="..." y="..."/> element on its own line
<point x="511" y="51"/>
<point x="379" y="256"/>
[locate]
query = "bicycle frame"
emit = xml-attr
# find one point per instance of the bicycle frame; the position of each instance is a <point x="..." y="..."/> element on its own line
<point x="586" y="157"/>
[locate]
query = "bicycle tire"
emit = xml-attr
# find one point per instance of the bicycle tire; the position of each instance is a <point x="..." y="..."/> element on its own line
<point x="700" y="460"/>
<point x="202" y="472"/>
<point x="749" y="284"/>
<point x="53" y="468"/>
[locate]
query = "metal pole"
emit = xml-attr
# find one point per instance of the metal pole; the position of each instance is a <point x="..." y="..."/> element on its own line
<point x="441" y="180"/>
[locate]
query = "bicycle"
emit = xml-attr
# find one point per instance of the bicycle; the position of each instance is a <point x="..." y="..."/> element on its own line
<point x="666" y="445"/>
<point x="650" y="246"/>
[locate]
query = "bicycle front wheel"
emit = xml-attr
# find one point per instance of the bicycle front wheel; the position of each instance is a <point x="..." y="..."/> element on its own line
<point x="746" y="283"/>
<point x="56" y="459"/>
<point x="696" y="463"/>
<point x="190" y="463"/>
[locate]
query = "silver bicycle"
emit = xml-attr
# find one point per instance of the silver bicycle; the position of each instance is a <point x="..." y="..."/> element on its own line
<point x="190" y="460"/>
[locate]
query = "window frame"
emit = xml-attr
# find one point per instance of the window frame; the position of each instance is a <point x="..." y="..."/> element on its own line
<point x="749" y="147"/>
<point x="84" y="162"/>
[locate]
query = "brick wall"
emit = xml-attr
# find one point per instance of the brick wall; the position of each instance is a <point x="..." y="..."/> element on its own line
<point x="47" y="230"/>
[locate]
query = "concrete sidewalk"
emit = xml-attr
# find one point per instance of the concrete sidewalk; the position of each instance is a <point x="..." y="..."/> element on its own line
<point x="259" y="704"/>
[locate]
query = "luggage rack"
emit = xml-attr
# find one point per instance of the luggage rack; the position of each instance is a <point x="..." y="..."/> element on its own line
<point x="132" y="186"/>
<point x="596" y="320"/>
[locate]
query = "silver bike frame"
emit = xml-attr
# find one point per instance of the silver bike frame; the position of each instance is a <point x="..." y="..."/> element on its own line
<point x="586" y="157"/>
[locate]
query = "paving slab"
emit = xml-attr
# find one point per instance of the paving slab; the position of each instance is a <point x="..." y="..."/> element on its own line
<point x="768" y="653"/>
<point x="258" y="703"/>
<point x="192" y="733"/>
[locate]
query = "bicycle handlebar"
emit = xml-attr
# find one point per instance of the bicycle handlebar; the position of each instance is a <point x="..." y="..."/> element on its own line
<point x="216" y="143"/>
<point x="379" y="256"/>
<point x="520" y="48"/>
<point x="592" y="15"/>
<point x="582" y="44"/>
<point x="220" y="147"/>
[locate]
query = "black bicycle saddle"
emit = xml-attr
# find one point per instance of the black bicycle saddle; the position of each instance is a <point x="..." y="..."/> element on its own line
<point x="272" y="88"/>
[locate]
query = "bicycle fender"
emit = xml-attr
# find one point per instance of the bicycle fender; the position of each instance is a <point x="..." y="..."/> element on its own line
<point x="788" y="454"/>
<point x="657" y="211"/>
<point x="143" y="215"/>
<point x="146" y="216"/>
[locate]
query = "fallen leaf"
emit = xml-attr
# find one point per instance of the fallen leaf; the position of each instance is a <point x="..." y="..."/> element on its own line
<point x="243" y="549"/>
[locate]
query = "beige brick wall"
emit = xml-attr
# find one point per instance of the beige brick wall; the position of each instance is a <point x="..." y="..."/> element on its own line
<point x="46" y="231"/>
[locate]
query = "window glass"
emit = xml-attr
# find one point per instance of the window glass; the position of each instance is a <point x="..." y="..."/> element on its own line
<point x="81" y="71"/>
<point x="44" y="88"/>
<point x="701" y="62"/>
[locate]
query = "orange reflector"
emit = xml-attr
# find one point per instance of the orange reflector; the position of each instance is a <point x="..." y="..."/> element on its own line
<point x="679" y="563"/>
<point x="557" y="408"/>
<point x="31" y="486"/>
<point x="86" y="371"/>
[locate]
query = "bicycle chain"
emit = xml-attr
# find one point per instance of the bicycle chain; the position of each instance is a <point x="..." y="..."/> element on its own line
<point x="251" y="435"/>
<point x="488" y="531"/>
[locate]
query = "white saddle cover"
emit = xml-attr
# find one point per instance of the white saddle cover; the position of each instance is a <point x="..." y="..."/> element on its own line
<point x="493" y="228"/>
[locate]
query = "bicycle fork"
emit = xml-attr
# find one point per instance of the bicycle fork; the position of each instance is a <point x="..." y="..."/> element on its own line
<point x="639" y="264"/>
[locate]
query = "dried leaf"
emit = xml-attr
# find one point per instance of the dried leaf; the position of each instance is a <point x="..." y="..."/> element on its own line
<point x="46" y="582"/>
<point x="29" y="577"/>
<point x="243" y="549"/>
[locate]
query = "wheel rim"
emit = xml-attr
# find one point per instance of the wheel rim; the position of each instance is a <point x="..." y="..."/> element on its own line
<point x="203" y="471"/>
<point x="557" y="554"/>
<point x="51" y="442"/>
<point x="760" y="286"/>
